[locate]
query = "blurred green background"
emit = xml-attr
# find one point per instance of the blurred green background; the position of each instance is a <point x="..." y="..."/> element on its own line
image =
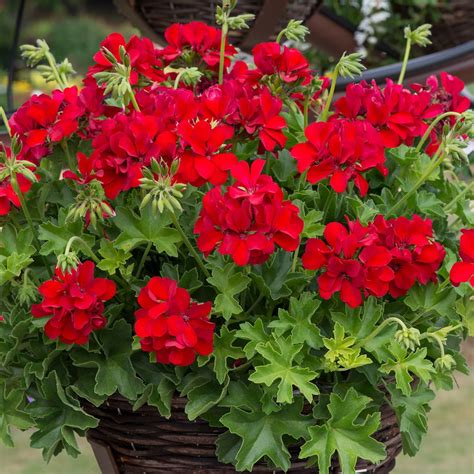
<point x="74" y="29"/>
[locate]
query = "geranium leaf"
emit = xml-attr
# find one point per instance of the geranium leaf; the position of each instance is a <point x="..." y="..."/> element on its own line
<point x="345" y="434"/>
<point x="12" y="413"/>
<point x="262" y="434"/>
<point x="299" y="321"/>
<point x="403" y="364"/>
<point x="280" y="353"/>
<point x="229" y="281"/>
<point x="428" y="298"/>
<point x="253" y="333"/>
<point x="114" y="368"/>
<point x="412" y="414"/>
<point x="138" y="230"/>
<point x="112" y="257"/>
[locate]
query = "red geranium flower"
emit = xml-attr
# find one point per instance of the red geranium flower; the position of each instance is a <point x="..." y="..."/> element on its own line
<point x="172" y="326"/>
<point x="340" y="150"/>
<point x="143" y="55"/>
<point x="44" y="120"/>
<point x="464" y="271"/>
<point x="8" y="195"/>
<point x="74" y="302"/>
<point x="249" y="219"/>
<point x="288" y="63"/>
<point x="205" y="163"/>
<point x="196" y="37"/>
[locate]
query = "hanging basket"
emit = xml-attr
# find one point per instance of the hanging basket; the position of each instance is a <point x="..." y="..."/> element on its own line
<point x="152" y="17"/>
<point x="142" y="441"/>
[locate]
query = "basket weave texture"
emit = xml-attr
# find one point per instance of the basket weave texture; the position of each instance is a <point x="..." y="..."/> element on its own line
<point x="145" y="442"/>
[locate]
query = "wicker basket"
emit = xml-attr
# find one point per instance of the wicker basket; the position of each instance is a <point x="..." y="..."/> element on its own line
<point x="128" y="442"/>
<point x="152" y="17"/>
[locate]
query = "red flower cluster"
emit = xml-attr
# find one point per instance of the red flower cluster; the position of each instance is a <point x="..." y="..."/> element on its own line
<point x="464" y="271"/>
<point x="44" y="120"/>
<point x="340" y="150"/>
<point x="249" y="219"/>
<point x="386" y="256"/>
<point x="287" y="63"/>
<point x="195" y="38"/>
<point x="74" y="302"/>
<point x="398" y="114"/>
<point x="144" y="60"/>
<point x="172" y="326"/>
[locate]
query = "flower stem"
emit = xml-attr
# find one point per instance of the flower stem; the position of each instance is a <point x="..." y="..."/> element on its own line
<point x="401" y="77"/>
<point x="432" y="126"/>
<point x="307" y="100"/>
<point x="378" y="330"/>
<point x="434" y="338"/>
<point x="76" y="238"/>
<point x="325" y="113"/>
<point x="189" y="246"/>
<point x="295" y="258"/>
<point x="143" y="259"/>
<point x="225" y="29"/>
<point x="51" y="61"/>
<point x="134" y="102"/>
<point x="70" y="161"/>
<point x="5" y="121"/>
<point x="437" y="160"/>
<point x="459" y="196"/>
<point x="29" y="220"/>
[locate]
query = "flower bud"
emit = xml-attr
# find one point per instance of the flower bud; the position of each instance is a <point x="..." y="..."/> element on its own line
<point x="445" y="363"/>
<point x="408" y="338"/>
<point x="68" y="262"/>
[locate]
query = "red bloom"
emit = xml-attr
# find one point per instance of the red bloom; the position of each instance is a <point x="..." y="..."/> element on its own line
<point x="397" y="113"/>
<point x="44" y="120"/>
<point x="143" y="55"/>
<point x="196" y="37"/>
<point x="340" y="150"/>
<point x="288" y="63"/>
<point x="464" y="271"/>
<point x="249" y="219"/>
<point x="126" y="144"/>
<point x="205" y="162"/>
<point x="172" y="326"/>
<point x="74" y="302"/>
<point x="388" y="256"/>
<point x="8" y="195"/>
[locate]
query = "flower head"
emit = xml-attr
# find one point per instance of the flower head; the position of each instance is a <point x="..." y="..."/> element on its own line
<point x="464" y="271"/>
<point x="74" y="303"/>
<point x="172" y="326"/>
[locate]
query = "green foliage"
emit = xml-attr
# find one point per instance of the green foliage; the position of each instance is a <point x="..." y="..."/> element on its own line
<point x="345" y="433"/>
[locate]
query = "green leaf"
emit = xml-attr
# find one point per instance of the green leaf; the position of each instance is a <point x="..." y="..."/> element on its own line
<point x="429" y="204"/>
<point x="272" y="276"/>
<point x="56" y="236"/>
<point x="465" y="308"/>
<point x="12" y="266"/>
<point x="412" y="413"/>
<point x="229" y="281"/>
<point x="224" y="349"/>
<point x="280" y="353"/>
<point x="203" y="392"/>
<point x="13" y="241"/>
<point x="253" y="333"/>
<point x="12" y="413"/>
<point x="114" y="368"/>
<point x="428" y="298"/>
<point x="139" y="230"/>
<point x="262" y="434"/>
<point x="57" y="416"/>
<point x="341" y="352"/>
<point x="299" y="321"/>
<point x="312" y="224"/>
<point x="404" y="364"/>
<point x="344" y="434"/>
<point x="112" y="257"/>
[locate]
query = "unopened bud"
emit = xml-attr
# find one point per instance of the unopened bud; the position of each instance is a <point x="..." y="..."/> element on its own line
<point x="408" y="338"/>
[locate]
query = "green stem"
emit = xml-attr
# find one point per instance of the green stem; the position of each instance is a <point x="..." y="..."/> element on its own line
<point x="70" y="161"/>
<point x="307" y="100"/>
<point x="405" y="62"/>
<point x="432" y="126"/>
<point x="255" y="303"/>
<point x="434" y="338"/>
<point x="459" y="196"/>
<point x="225" y="29"/>
<point x="280" y="35"/>
<point x="52" y="63"/>
<point x="76" y="238"/>
<point x="134" y="102"/>
<point x="378" y="330"/>
<point x="325" y="113"/>
<point x="5" y="121"/>
<point x="29" y="220"/>
<point x="143" y="259"/>
<point x="189" y="246"/>
<point x="436" y="161"/>
<point x="295" y="258"/>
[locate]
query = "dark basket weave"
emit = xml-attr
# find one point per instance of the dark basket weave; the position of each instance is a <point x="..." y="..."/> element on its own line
<point x="154" y="16"/>
<point x="145" y="442"/>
